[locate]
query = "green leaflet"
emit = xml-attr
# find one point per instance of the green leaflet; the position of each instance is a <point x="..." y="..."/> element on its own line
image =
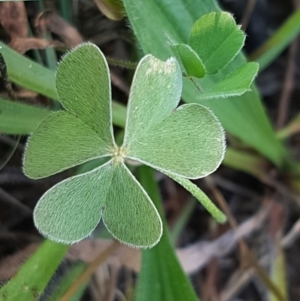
<point x="216" y="39"/>
<point x="189" y="142"/>
<point x="83" y="88"/>
<point x="61" y="134"/>
<point x="71" y="210"/>
<point x="189" y="60"/>
<point x="235" y="83"/>
<point x="155" y="92"/>
<point x="129" y="213"/>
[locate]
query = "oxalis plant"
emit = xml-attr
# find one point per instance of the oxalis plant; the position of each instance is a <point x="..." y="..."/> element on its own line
<point x="185" y="142"/>
<point x="214" y="41"/>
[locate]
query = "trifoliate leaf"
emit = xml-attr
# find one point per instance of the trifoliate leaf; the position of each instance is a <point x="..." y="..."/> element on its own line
<point x="216" y="39"/>
<point x="234" y="84"/>
<point x="71" y="210"/>
<point x="189" y="143"/>
<point x="83" y="87"/>
<point x="155" y="92"/>
<point x="189" y="60"/>
<point x="186" y="142"/>
<point x="61" y="141"/>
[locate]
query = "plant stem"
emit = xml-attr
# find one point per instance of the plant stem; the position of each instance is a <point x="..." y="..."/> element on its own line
<point x="121" y="63"/>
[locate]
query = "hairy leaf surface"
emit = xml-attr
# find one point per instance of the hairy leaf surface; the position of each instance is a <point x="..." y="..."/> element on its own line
<point x="217" y="39"/>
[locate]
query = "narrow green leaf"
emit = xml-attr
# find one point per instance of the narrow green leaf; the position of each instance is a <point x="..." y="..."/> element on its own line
<point x="30" y="281"/>
<point x="129" y="213"/>
<point x="189" y="142"/>
<point x="72" y="209"/>
<point x="155" y="92"/>
<point x="189" y="60"/>
<point x="83" y="87"/>
<point x="234" y="84"/>
<point x="28" y="74"/>
<point x="182" y="220"/>
<point x="62" y="285"/>
<point x="8" y="155"/>
<point x="20" y="118"/>
<point x="216" y="39"/>
<point x="161" y="277"/>
<point x="244" y="116"/>
<point x="279" y="272"/>
<point x="61" y="141"/>
<point x="250" y="163"/>
<point x="65" y="10"/>
<point x="201" y="197"/>
<point x="279" y="40"/>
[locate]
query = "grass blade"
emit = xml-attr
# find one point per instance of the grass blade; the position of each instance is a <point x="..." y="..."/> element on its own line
<point x="28" y="74"/>
<point x="161" y="277"/>
<point x="31" y="280"/>
<point x="20" y="118"/>
<point x="272" y="48"/>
